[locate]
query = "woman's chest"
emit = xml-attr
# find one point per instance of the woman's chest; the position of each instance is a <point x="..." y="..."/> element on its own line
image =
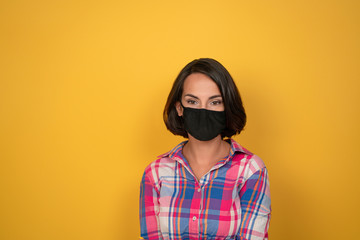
<point x="209" y="208"/>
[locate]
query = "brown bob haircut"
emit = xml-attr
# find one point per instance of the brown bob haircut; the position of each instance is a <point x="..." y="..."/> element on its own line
<point x="234" y="110"/>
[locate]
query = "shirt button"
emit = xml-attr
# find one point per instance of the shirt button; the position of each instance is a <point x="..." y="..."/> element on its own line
<point x="194" y="218"/>
<point x="199" y="189"/>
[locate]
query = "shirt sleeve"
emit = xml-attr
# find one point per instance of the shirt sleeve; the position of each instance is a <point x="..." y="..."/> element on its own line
<point x="149" y="209"/>
<point x="255" y="207"/>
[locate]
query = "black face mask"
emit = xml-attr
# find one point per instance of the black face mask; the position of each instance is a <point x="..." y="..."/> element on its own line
<point x="203" y="124"/>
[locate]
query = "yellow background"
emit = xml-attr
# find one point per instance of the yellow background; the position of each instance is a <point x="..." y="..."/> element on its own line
<point x="83" y="85"/>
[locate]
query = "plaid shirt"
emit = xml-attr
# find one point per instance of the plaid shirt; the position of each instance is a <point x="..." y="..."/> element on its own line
<point x="231" y="201"/>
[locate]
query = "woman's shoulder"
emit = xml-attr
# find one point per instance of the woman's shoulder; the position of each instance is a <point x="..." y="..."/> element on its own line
<point x="160" y="161"/>
<point x="164" y="164"/>
<point x="246" y="158"/>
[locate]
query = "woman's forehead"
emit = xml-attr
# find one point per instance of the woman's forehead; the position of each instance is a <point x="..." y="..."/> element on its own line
<point x="198" y="83"/>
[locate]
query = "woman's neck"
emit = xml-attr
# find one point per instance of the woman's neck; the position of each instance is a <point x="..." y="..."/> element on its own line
<point x="205" y="152"/>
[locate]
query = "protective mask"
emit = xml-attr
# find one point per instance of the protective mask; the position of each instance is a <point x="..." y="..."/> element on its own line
<point x="203" y="124"/>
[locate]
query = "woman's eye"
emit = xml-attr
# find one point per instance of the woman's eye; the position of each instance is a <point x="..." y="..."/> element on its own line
<point x="217" y="102"/>
<point x="191" y="102"/>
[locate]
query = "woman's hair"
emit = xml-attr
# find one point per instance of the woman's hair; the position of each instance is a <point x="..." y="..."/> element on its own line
<point x="234" y="110"/>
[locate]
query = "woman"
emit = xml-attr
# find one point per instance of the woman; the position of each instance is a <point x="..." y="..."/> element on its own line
<point x="208" y="187"/>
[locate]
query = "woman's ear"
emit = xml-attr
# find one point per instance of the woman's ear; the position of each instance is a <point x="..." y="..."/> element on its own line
<point x="179" y="108"/>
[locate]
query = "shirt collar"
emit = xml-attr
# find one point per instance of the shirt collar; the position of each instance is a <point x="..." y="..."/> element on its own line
<point x="176" y="152"/>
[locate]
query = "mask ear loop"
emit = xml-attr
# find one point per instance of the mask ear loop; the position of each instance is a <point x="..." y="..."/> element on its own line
<point x="183" y="108"/>
<point x="181" y="104"/>
<point x="181" y="117"/>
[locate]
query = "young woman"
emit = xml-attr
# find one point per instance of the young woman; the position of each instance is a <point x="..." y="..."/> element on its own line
<point x="208" y="187"/>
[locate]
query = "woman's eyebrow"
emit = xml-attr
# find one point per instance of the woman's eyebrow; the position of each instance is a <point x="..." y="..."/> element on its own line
<point x="193" y="96"/>
<point x="215" y="96"/>
<point x="190" y="95"/>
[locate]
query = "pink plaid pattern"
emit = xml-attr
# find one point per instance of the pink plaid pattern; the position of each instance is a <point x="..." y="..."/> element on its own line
<point x="231" y="201"/>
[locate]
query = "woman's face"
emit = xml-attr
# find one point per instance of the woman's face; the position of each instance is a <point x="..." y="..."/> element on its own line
<point x="200" y="91"/>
